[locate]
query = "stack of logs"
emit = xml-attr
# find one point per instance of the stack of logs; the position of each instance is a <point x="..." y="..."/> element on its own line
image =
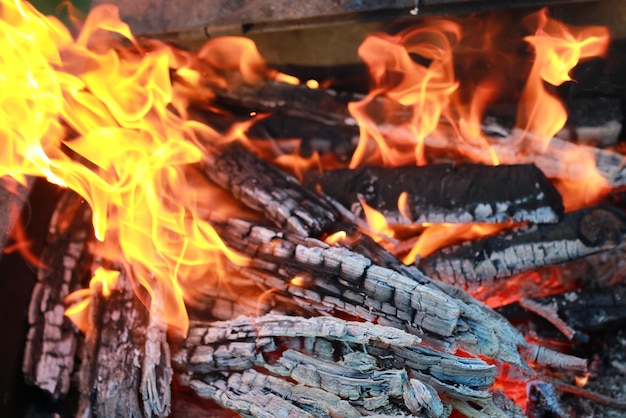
<point x="316" y="329"/>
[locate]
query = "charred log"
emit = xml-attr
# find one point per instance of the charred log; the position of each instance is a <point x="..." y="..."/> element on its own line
<point x="586" y="310"/>
<point x="392" y="366"/>
<point x="265" y="188"/>
<point x="346" y="282"/>
<point x="110" y="375"/>
<point x="125" y="368"/>
<point x="303" y="105"/>
<point x="443" y="193"/>
<point x="52" y="338"/>
<point x="581" y="233"/>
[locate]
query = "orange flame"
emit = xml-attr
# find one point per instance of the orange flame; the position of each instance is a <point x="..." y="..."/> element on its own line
<point x="336" y="237"/>
<point x="399" y="69"/>
<point x="428" y="109"/>
<point x="376" y="222"/>
<point x="131" y="154"/>
<point x="558" y="49"/>
<point x="104" y="281"/>
<point x="437" y="236"/>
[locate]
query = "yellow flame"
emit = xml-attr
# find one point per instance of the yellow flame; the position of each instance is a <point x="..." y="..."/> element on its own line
<point x="95" y="115"/>
<point x="336" y="237"/>
<point x="376" y="222"/>
<point x="558" y="49"/>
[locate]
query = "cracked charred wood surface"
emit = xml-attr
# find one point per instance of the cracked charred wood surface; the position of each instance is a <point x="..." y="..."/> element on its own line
<point x="52" y="338"/>
<point x="587" y="310"/>
<point x="372" y="368"/>
<point x="579" y="234"/>
<point x="294" y="102"/>
<point x="110" y="375"/>
<point x="336" y="279"/>
<point x="125" y="368"/>
<point x="262" y="187"/>
<point x="442" y="193"/>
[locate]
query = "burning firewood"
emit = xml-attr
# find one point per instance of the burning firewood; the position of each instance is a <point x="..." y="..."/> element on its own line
<point x="263" y="187"/>
<point x="348" y="282"/>
<point x="579" y="234"/>
<point x="584" y="310"/>
<point x="330" y="329"/>
<point x="52" y="338"/>
<point x="300" y="102"/>
<point x="377" y="364"/>
<point x="126" y="367"/>
<point x="442" y="193"/>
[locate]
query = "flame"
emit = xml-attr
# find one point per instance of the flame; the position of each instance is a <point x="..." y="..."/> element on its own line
<point x="581" y="381"/>
<point x="437" y="236"/>
<point x="558" y="49"/>
<point x="414" y="69"/>
<point x="104" y="281"/>
<point x="312" y="84"/>
<point x="429" y="108"/>
<point x="336" y="237"/>
<point x="299" y="281"/>
<point x="378" y="226"/>
<point x="95" y="113"/>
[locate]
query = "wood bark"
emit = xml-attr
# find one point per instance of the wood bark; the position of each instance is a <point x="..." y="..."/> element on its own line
<point x="442" y="193"/>
<point x="477" y="263"/>
<point x="52" y="338"/>
<point x="110" y="374"/>
<point x="337" y="279"/>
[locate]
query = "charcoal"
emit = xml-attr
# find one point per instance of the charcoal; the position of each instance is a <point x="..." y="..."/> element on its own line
<point x="599" y="309"/>
<point x="444" y="193"/>
<point x="263" y="187"/>
<point x="477" y="263"/>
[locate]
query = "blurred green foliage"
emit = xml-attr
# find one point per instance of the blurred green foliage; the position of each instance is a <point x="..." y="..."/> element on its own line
<point x="56" y="7"/>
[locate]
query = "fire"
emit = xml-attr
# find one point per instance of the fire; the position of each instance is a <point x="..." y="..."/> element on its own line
<point x="98" y="114"/>
<point x="336" y="237"/>
<point x="397" y="67"/>
<point x="104" y="281"/>
<point x="558" y="49"/>
<point x="427" y="107"/>
<point x="377" y="223"/>
<point x="436" y="236"/>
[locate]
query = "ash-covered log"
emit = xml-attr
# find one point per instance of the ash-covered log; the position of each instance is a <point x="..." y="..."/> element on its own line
<point x="335" y="279"/>
<point x="66" y="267"/>
<point x="265" y="188"/>
<point x="125" y="368"/>
<point x="477" y="263"/>
<point x="372" y="368"/>
<point x="444" y="193"/>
